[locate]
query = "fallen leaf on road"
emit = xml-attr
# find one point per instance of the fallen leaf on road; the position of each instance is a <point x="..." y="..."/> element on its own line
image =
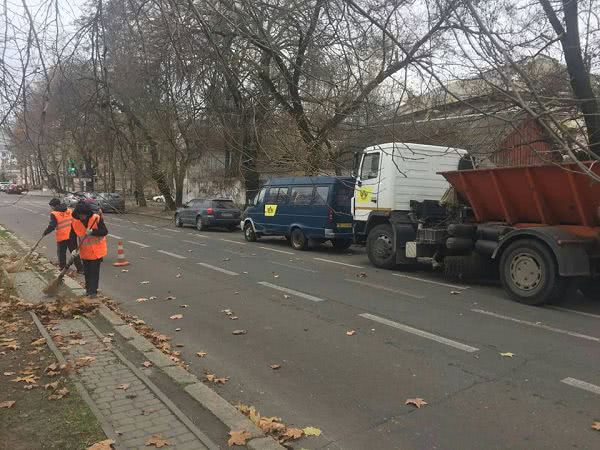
<point x="350" y="333"/>
<point x="157" y="441"/>
<point x="176" y="317"/>
<point x="171" y="297"/>
<point x="102" y="445"/>
<point x="147" y="364"/>
<point x="201" y="354"/>
<point x="123" y="386"/>
<point x="238" y="437"/>
<point x="238" y="332"/>
<point x="291" y="434"/>
<point x="227" y="312"/>
<point x="152" y="297"/>
<point x="58" y="394"/>
<point x="107" y="340"/>
<point x="454" y="292"/>
<point x="51" y="386"/>
<point x="7" y="404"/>
<point x="507" y="354"/>
<point x="144" y="282"/>
<point x="418" y="402"/>
<point x="141" y="299"/>
<point x="286" y="296"/>
<point x="212" y="378"/>
<point x="110" y="334"/>
<point x="361" y="275"/>
<point x="177" y="329"/>
<point x="27" y="379"/>
<point x="178" y="275"/>
<point x="275" y="366"/>
<point x="226" y="259"/>
<point x="40" y="341"/>
<point x="234" y="317"/>
<point x="275" y="275"/>
<point x="183" y="306"/>
<point x="596" y="426"/>
<point x="311" y="431"/>
<point x="124" y="270"/>
<point x="179" y="345"/>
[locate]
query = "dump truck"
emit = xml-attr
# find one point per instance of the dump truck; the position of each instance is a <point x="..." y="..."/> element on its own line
<point x="536" y="228"/>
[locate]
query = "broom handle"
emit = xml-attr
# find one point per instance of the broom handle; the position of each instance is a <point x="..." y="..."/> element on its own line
<point x="32" y="249"/>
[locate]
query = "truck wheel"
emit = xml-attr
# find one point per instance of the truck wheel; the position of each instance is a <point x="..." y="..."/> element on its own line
<point x="591" y="289"/>
<point x="380" y="247"/>
<point x="249" y="233"/>
<point x="298" y="240"/>
<point x="529" y="273"/>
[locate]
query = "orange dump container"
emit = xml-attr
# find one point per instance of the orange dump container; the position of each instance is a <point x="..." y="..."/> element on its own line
<point x="523" y="196"/>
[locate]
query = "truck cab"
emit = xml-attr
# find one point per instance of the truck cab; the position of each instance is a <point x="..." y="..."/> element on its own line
<point x="391" y="177"/>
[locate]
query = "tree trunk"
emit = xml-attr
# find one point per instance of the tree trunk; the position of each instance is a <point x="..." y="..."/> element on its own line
<point x="179" y="181"/>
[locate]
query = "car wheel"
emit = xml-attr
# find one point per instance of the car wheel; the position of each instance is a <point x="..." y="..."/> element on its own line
<point x="249" y="233"/>
<point x="298" y="240"/>
<point x="341" y="244"/>
<point x="529" y="273"/>
<point x="380" y="247"/>
<point x="178" y="222"/>
<point x="200" y="224"/>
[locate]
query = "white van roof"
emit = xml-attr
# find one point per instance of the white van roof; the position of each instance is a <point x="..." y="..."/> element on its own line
<point x="407" y="147"/>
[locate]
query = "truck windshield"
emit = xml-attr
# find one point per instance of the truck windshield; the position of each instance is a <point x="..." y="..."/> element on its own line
<point x="370" y="166"/>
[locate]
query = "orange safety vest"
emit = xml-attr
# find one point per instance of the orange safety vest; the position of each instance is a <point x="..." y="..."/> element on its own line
<point x="63" y="224"/>
<point x="90" y="247"/>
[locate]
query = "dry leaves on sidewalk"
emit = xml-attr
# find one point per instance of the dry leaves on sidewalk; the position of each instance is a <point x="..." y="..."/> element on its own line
<point x="157" y="441"/>
<point x="123" y="386"/>
<point x="418" y="402"/>
<point x="7" y="404"/>
<point x="58" y="394"/>
<point x="238" y="437"/>
<point x="102" y="445"/>
<point x="275" y="366"/>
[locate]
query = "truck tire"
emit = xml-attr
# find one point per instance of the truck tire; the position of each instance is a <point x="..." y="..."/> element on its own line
<point x="380" y="247"/>
<point x="529" y="273"/>
<point x="591" y="289"/>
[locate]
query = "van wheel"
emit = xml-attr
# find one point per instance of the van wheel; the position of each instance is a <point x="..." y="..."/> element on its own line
<point x="341" y="244"/>
<point x="249" y="233"/>
<point x="178" y="222"/>
<point x="380" y="247"/>
<point x="529" y="273"/>
<point x="298" y="240"/>
<point x="200" y="224"/>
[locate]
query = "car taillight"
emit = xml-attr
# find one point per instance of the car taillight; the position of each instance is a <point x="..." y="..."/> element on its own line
<point x="330" y="215"/>
<point x="210" y="211"/>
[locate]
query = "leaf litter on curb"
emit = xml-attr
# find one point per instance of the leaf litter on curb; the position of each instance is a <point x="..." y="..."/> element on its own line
<point x="7" y="404"/>
<point x="417" y="402"/>
<point x="157" y="441"/>
<point x="107" y="444"/>
<point x="238" y="437"/>
<point x="212" y="378"/>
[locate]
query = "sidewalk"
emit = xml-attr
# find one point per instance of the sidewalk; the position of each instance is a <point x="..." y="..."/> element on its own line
<point x="141" y="397"/>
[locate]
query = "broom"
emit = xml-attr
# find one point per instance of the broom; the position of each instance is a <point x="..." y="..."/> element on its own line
<point x="52" y="287"/>
<point x="18" y="265"/>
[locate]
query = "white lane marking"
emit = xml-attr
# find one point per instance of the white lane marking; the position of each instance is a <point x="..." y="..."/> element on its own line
<point x="582" y="385"/>
<point x="574" y="311"/>
<point x="139" y="244"/>
<point x="114" y="236"/>
<point x="383" y="288"/>
<point x="293" y="267"/>
<point x="337" y="262"/>
<point x="174" y="255"/>
<point x="537" y="325"/>
<point x="198" y="235"/>
<point x="425" y="280"/>
<point x="421" y="333"/>
<point x="312" y="298"/>
<point x="218" y="269"/>
<point x="172" y="231"/>
<point x="233" y="242"/>
<point x="276" y="250"/>
<point x="162" y="235"/>
<point x="117" y="219"/>
<point x="194" y="243"/>
<point x="149" y="226"/>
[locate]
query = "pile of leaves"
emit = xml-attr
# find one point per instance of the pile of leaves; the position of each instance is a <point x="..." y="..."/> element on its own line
<point x="272" y="426"/>
<point x="61" y="308"/>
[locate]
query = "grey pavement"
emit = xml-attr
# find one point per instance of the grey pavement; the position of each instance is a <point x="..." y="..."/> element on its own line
<point x="417" y="335"/>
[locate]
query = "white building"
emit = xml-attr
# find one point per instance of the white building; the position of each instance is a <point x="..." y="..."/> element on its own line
<point x="8" y="163"/>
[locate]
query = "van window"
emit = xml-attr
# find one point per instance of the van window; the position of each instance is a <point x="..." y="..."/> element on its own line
<point x="301" y="195"/>
<point x="370" y="166"/>
<point x="321" y="195"/>
<point x="343" y="196"/>
<point x="277" y="195"/>
<point x="260" y="197"/>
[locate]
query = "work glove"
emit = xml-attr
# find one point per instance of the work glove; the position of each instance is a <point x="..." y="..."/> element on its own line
<point x="89" y="232"/>
<point x="46" y="232"/>
<point x="75" y="253"/>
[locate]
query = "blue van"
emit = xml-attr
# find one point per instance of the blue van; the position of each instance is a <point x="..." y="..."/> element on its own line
<point x="303" y="209"/>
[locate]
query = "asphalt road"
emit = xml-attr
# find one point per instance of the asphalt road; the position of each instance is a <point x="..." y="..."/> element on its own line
<point x="417" y="335"/>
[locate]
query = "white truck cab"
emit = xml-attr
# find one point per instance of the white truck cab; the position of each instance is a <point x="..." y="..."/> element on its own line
<point x="392" y="178"/>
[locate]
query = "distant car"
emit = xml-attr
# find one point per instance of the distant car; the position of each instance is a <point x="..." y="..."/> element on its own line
<point x="14" y="189"/>
<point x="209" y="213"/>
<point x="158" y="198"/>
<point x="110" y="202"/>
<point x="72" y="198"/>
<point x="4" y="185"/>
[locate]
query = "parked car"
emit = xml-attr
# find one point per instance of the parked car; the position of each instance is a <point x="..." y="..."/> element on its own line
<point x="303" y="209"/>
<point x="4" y="185"/>
<point x="110" y="202"/>
<point x="158" y="198"/>
<point x="72" y="198"/>
<point x="204" y="213"/>
<point x="14" y="189"/>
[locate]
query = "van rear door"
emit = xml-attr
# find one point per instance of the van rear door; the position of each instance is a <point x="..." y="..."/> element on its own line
<point x="341" y="204"/>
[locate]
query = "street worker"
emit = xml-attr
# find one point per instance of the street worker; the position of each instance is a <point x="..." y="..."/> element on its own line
<point x="60" y="222"/>
<point x="91" y="230"/>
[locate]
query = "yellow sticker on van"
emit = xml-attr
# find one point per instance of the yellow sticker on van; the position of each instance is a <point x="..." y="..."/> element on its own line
<point x="270" y="210"/>
<point x="363" y="194"/>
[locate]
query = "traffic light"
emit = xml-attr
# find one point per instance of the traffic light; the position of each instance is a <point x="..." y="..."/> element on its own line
<point x="71" y="169"/>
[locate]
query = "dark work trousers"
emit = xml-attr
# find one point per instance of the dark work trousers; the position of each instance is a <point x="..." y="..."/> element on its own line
<point x="61" y="250"/>
<point x="91" y="269"/>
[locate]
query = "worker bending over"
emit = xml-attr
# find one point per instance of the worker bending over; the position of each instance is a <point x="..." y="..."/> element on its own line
<point x="60" y="221"/>
<point x="91" y="230"/>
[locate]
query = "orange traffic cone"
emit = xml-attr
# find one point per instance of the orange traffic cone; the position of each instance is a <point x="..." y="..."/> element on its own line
<point x="121" y="261"/>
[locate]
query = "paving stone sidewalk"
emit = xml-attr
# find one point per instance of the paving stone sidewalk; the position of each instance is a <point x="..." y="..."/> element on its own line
<point x="136" y="413"/>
